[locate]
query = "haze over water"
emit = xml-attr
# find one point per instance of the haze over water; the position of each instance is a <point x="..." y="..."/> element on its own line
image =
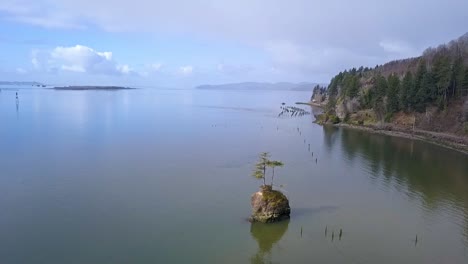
<point x="163" y="176"/>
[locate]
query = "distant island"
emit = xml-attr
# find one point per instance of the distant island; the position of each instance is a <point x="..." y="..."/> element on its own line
<point x="22" y="83"/>
<point x="280" y="86"/>
<point x="82" y="88"/>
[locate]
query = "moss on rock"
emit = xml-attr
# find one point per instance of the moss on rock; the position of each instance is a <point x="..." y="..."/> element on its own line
<point x="269" y="205"/>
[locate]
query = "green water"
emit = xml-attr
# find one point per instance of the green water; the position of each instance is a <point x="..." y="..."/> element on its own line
<point x="163" y="176"/>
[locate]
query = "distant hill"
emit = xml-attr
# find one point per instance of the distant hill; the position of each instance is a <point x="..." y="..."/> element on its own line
<point x="21" y="83"/>
<point x="280" y="86"/>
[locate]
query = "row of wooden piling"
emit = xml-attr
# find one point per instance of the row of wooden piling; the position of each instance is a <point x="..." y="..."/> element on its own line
<point x="300" y="133"/>
<point x="340" y="234"/>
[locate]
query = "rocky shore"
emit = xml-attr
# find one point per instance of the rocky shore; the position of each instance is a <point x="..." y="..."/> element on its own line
<point x="441" y="139"/>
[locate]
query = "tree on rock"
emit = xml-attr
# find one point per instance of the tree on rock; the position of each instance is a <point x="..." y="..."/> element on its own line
<point x="268" y="205"/>
<point x="261" y="166"/>
<point x="272" y="164"/>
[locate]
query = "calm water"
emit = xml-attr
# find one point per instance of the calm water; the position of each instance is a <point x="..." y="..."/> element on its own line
<point x="163" y="176"/>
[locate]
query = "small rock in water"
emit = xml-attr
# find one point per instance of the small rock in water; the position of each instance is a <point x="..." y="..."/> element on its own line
<point x="269" y="205"/>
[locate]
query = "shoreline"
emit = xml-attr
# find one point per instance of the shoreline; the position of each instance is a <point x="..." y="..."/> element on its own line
<point x="449" y="141"/>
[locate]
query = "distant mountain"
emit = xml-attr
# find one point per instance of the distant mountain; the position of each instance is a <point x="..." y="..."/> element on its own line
<point x="280" y="86"/>
<point x="21" y="83"/>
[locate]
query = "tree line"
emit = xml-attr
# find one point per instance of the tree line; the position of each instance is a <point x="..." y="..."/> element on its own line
<point x="436" y="78"/>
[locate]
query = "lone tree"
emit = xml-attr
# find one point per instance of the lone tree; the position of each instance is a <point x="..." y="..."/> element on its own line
<point x="268" y="205"/>
<point x="272" y="164"/>
<point x="261" y="166"/>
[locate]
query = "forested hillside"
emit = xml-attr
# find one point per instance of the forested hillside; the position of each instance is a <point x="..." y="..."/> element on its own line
<point x="422" y="91"/>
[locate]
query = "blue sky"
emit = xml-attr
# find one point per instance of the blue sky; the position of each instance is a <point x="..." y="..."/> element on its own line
<point x="185" y="43"/>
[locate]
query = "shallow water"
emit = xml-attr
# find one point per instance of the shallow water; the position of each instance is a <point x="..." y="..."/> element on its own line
<point x="163" y="176"/>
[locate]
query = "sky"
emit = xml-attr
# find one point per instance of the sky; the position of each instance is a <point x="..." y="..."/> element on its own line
<point x="181" y="43"/>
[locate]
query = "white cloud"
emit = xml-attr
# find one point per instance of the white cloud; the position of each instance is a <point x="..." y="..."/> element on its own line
<point x="125" y="69"/>
<point x="78" y="59"/>
<point x="289" y="57"/>
<point x="287" y="53"/>
<point x="21" y="70"/>
<point x="397" y="47"/>
<point x="156" y="66"/>
<point x="39" y="14"/>
<point x="186" y="70"/>
<point x="47" y="22"/>
<point x="35" y="62"/>
<point x="311" y="33"/>
<point x="152" y="68"/>
<point x="73" y="68"/>
<point x="232" y="69"/>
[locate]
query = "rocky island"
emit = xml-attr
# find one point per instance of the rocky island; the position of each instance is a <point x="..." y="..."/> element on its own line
<point x="268" y="205"/>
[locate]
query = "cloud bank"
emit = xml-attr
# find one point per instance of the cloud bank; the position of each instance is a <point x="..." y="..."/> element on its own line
<point x="309" y="37"/>
<point x="78" y="59"/>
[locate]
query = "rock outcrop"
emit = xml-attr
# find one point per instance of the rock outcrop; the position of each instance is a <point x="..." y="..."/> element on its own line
<point x="346" y="107"/>
<point x="269" y="205"/>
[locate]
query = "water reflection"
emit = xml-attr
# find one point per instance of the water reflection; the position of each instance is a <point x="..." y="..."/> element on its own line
<point x="330" y="134"/>
<point x="266" y="235"/>
<point x="437" y="175"/>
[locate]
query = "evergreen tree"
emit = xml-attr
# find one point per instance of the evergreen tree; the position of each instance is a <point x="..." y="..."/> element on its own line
<point x="393" y="89"/>
<point x="380" y="89"/>
<point x="426" y="93"/>
<point x="406" y="87"/>
<point x="345" y="85"/>
<point x="431" y="88"/>
<point x="457" y="76"/>
<point x="272" y="164"/>
<point x="333" y="87"/>
<point x="442" y="74"/>
<point x="413" y="93"/>
<point x="260" y="167"/>
<point x="331" y="102"/>
<point x="464" y="84"/>
<point x="353" y="86"/>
